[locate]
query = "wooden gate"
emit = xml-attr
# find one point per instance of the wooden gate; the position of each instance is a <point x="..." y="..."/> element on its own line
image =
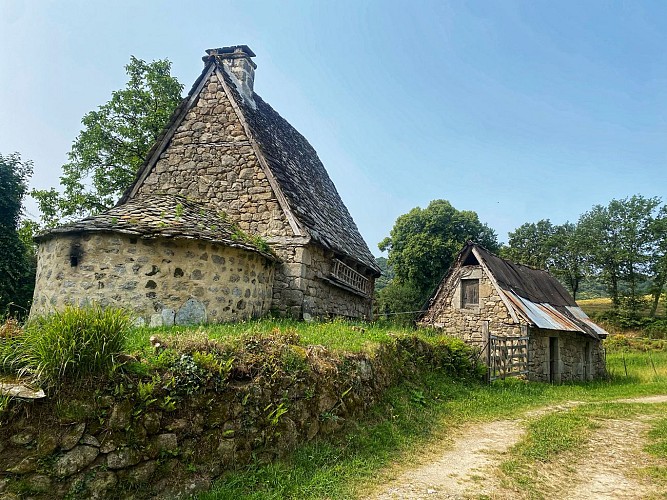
<point x="507" y="357"/>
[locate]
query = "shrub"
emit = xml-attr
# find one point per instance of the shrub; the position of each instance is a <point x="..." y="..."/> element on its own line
<point x="657" y="329"/>
<point x="72" y="343"/>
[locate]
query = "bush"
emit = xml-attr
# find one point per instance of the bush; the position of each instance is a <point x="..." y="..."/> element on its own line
<point x="657" y="329"/>
<point x="72" y="343"/>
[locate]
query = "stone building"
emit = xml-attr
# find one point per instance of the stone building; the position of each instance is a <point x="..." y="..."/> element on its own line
<point x="167" y="259"/>
<point x="522" y="319"/>
<point x="230" y="152"/>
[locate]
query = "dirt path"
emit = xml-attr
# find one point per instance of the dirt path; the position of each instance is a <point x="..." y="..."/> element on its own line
<point x="614" y="452"/>
<point x="468" y="468"/>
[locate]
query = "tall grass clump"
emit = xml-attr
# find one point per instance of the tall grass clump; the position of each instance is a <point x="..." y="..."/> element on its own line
<point x="10" y="334"/>
<point x="73" y="343"/>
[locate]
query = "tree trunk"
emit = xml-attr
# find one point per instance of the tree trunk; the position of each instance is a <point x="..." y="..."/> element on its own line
<point x="654" y="306"/>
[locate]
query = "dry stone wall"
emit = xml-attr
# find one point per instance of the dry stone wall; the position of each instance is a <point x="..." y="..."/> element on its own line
<point x="162" y="281"/>
<point x="578" y="358"/>
<point x="108" y="444"/>
<point x="210" y="159"/>
<point x="467" y="323"/>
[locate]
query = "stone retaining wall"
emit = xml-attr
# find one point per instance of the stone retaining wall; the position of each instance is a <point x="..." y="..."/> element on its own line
<point x="162" y="281"/>
<point x="175" y="438"/>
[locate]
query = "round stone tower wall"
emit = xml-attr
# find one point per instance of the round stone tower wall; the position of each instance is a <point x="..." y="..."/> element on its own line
<point x="161" y="281"/>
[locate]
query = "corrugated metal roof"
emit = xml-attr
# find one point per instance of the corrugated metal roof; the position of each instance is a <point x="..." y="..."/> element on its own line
<point x="548" y="317"/>
<point x="536" y="285"/>
<point x="541" y="315"/>
<point x="536" y="296"/>
<point x="581" y="315"/>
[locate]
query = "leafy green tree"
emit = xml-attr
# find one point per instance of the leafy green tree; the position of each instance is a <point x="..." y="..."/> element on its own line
<point x="17" y="263"/>
<point x="424" y="242"/>
<point x="531" y="244"/>
<point x="387" y="274"/>
<point x="568" y="261"/>
<point x="114" y="143"/>
<point x="556" y="248"/>
<point x="620" y="240"/>
<point x="658" y="260"/>
<point x="400" y="302"/>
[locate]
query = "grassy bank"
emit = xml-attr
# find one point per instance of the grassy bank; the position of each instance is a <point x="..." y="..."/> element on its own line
<point x="412" y="417"/>
<point x="336" y="335"/>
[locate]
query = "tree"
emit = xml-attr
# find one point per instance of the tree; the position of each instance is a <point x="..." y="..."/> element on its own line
<point x="387" y="274"/>
<point x="620" y="241"/>
<point x="557" y="249"/>
<point x="114" y="143"/>
<point x="424" y="242"/>
<point x="658" y="260"/>
<point x="17" y="263"/>
<point x="531" y="244"/>
<point x="568" y="262"/>
<point x="400" y="302"/>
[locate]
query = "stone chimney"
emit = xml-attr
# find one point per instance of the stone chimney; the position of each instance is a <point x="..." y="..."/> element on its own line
<point x="238" y="63"/>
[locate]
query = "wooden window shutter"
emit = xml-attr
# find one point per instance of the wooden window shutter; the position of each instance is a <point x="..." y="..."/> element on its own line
<point x="470" y="292"/>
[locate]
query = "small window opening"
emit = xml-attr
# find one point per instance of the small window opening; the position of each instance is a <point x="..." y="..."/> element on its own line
<point x="73" y="260"/>
<point x="469" y="293"/>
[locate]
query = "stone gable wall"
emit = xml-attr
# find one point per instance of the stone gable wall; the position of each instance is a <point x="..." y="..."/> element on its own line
<point x="162" y="281"/>
<point x="210" y="159"/>
<point x="468" y="323"/>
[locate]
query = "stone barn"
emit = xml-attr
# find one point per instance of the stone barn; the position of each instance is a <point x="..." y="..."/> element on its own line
<point x="522" y="319"/>
<point x="228" y="151"/>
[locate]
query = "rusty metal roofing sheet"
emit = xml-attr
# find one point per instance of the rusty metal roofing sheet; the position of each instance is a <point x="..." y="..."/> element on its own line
<point x="536" y="285"/>
<point x="548" y="317"/>
<point x="541" y="315"/>
<point x="581" y="316"/>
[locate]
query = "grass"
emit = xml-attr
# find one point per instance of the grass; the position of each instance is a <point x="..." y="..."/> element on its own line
<point x="603" y="304"/>
<point x="560" y="434"/>
<point x="65" y="345"/>
<point x="337" y="335"/>
<point x="411" y="418"/>
<point x="658" y="448"/>
<point x="560" y="439"/>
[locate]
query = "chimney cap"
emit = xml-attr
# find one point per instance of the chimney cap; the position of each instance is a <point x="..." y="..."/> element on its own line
<point x="241" y="50"/>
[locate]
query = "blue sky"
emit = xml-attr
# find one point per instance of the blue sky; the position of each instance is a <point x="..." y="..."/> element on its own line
<point x="518" y="110"/>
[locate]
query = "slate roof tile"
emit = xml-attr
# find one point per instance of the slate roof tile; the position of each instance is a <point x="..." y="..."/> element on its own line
<point x="162" y="215"/>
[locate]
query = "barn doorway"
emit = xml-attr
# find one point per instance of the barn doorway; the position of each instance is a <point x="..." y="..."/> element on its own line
<point x="554" y="375"/>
